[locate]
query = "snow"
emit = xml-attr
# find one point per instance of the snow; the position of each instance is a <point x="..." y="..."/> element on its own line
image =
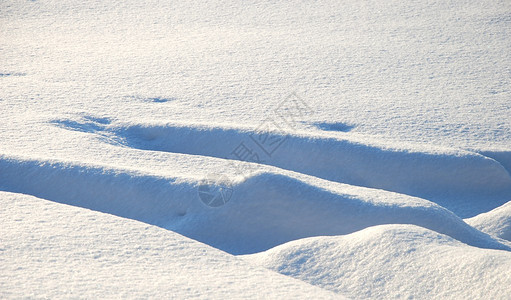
<point x="393" y="261"/>
<point x="345" y="132"/>
<point x="432" y="173"/>
<point x="265" y="210"/>
<point x="50" y="250"/>
<point x="496" y="222"/>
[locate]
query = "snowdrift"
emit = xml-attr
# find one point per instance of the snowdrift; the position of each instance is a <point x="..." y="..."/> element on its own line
<point x="125" y="106"/>
<point x="496" y="222"/>
<point x="393" y="261"/>
<point x="467" y="183"/>
<point x="266" y="209"/>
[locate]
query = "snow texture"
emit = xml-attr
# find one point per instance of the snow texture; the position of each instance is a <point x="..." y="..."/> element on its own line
<point x="394" y="261"/>
<point x="50" y="250"/>
<point x="496" y="222"/>
<point x="360" y="146"/>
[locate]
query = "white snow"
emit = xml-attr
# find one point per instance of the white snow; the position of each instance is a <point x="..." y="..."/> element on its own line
<point x="361" y="146"/>
<point x="496" y="222"/>
<point x="394" y="261"/>
<point x="265" y="210"/>
<point x="51" y="250"/>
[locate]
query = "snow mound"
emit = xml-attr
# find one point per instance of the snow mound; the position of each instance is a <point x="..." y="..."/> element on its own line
<point x="49" y="250"/>
<point x="496" y="222"/>
<point x="394" y="261"/>
<point x="266" y="209"/>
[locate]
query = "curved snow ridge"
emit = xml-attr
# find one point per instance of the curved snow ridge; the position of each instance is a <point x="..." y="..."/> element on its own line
<point x="393" y="261"/>
<point x="458" y="180"/>
<point x="126" y="193"/>
<point x="496" y="222"/>
<point x="502" y="156"/>
<point x="276" y="208"/>
<point x="265" y="210"/>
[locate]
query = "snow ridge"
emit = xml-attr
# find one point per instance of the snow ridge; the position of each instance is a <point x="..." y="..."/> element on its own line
<point x="464" y="182"/>
<point x="267" y="209"/>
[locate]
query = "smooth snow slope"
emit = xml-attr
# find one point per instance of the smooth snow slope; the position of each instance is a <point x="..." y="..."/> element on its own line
<point x="394" y="261"/>
<point x="56" y="251"/>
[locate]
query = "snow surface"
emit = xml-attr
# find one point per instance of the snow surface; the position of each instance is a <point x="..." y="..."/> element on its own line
<point x="373" y="126"/>
<point x="266" y="208"/>
<point x="496" y="222"/>
<point x="50" y="250"/>
<point x="394" y="261"/>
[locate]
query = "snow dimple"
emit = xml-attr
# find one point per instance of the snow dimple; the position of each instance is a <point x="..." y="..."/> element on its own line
<point x="13" y="74"/>
<point x="343" y="127"/>
<point x="158" y="99"/>
<point x="100" y="120"/>
<point x="464" y="182"/>
<point x="80" y="126"/>
<point x="87" y="123"/>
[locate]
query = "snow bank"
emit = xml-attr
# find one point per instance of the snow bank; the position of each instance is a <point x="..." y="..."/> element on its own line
<point x="266" y="209"/>
<point x="394" y="261"/>
<point x="496" y="222"/>
<point x="54" y="251"/>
